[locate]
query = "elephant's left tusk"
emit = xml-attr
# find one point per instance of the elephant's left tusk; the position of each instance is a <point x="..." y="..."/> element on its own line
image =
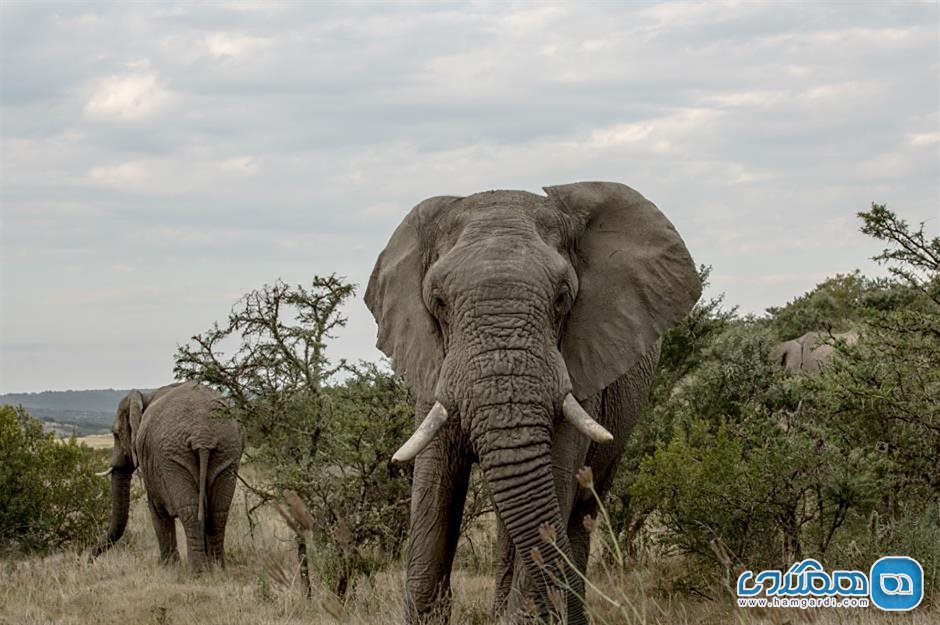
<point x="105" y="472"/>
<point x="423" y="435"/>
<point x="579" y="418"/>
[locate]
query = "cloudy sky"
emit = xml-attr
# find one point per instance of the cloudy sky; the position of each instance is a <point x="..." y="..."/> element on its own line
<point x="160" y="160"/>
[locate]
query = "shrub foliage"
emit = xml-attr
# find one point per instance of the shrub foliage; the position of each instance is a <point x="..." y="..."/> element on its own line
<point x="746" y="465"/>
<point x="49" y="496"/>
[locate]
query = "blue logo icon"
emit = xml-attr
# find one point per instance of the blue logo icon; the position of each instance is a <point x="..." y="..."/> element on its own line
<point x="897" y="583"/>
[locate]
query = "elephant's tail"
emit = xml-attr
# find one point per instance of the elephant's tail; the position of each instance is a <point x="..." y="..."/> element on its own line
<point x="203" y="471"/>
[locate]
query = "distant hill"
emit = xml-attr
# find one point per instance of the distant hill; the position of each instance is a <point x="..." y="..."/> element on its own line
<point x="81" y="412"/>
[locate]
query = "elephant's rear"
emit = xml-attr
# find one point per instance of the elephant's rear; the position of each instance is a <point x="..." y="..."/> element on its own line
<point x="189" y="459"/>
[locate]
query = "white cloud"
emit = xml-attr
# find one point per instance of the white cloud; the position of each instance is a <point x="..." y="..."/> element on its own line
<point x="798" y="71"/>
<point x="846" y="38"/>
<point x="232" y="45"/>
<point x="313" y="129"/>
<point x="682" y="13"/>
<point x="127" y="97"/>
<point x="248" y="6"/>
<point x="923" y="139"/>
<point x="658" y="135"/>
<point x="743" y="99"/>
<point x="129" y="175"/>
<point x="529" y="21"/>
<point x="886" y="165"/>
<point x="768" y="279"/>
<point x="248" y="165"/>
<point x="836" y="91"/>
<point x="869" y="36"/>
<point x="594" y="45"/>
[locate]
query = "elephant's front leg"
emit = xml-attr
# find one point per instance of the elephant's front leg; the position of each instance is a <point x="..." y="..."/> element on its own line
<point x="441" y="475"/>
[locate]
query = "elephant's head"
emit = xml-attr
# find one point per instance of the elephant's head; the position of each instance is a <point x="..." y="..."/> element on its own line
<point x="504" y="308"/>
<point x="125" y="427"/>
<point x="123" y="462"/>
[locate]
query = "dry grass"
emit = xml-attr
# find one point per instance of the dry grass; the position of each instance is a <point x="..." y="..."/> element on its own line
<point x="97" y="441"/>
<point x="260" y="586"/>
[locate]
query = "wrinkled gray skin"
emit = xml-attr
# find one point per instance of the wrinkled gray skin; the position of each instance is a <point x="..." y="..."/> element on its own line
<point x="497" y="305"/>
<point x="188" y="462"/>
<point x="808" y="353"/>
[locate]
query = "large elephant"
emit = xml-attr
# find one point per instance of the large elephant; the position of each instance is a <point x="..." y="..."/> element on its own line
<point x="810" y="352"/>
<point x="188" y="460"/>
<point x="528" y="328"/>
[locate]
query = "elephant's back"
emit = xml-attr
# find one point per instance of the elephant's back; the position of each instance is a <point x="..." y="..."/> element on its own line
<point x="183" y="419"/>
<point x="175" y="425"/>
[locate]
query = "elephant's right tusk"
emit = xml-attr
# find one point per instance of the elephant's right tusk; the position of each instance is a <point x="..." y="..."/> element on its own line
<point x="579" y="418"/>
<point x="423" y="435"/>
<point x="105" y="472"/>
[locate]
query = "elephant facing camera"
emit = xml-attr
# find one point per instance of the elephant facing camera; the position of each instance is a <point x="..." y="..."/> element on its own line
<point x="528" y="328"/>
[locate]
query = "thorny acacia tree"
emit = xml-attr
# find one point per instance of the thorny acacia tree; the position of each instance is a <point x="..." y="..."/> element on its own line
<point x="325" y="431"/>
<point x="888" y="387"/>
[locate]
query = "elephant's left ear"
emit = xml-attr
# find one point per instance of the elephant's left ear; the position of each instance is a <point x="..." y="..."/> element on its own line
<point x="636" y="279"/>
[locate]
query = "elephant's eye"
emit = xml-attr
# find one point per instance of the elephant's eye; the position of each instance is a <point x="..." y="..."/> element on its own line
<point x="562" y="301"/>
<point x="437" y="306"/>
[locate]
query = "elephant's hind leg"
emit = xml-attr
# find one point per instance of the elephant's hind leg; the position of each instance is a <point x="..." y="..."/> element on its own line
<point x="165" y="527"/>
<point x="195" y="538"/>
<point x="220" y="501"/>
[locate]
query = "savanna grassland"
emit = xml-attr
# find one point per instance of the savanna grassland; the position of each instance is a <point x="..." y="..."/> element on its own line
<point x="261" y="586"/>
<point x="738" y="464"/>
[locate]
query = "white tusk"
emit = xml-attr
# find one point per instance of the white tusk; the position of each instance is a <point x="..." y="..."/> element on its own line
<point x="579" y="418"/>
<point x="105" y="472"/>
<point x="423" y="435"/>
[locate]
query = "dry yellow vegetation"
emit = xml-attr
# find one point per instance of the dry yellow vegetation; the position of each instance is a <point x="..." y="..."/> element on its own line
<point x="261" y="587"/>
<point x="98" y="441"/>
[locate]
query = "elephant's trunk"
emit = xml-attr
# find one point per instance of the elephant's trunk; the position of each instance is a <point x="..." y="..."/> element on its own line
<point x="521" y="483"/>
<point x="120" y="507"/>
<point x="507" y="382"/>
<point x="512" y="435"/>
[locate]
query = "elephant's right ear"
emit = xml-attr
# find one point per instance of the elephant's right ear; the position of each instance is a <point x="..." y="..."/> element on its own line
<point x="408" y="334"/>
<point x="135" y="409"/>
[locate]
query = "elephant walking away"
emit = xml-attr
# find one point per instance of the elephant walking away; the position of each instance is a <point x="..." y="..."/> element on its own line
<point x="188" y="460"/>
<point x="528" y="327"/>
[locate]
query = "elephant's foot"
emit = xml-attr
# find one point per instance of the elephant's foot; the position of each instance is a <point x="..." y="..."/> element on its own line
<point x="433" y="610"/>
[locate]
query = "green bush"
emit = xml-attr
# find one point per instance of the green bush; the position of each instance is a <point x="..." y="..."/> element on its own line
<point x="748" y="475"/>
<point x="684" y="346"/>
<point x="746" y="464"/>
<point x="49" y="496"/>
